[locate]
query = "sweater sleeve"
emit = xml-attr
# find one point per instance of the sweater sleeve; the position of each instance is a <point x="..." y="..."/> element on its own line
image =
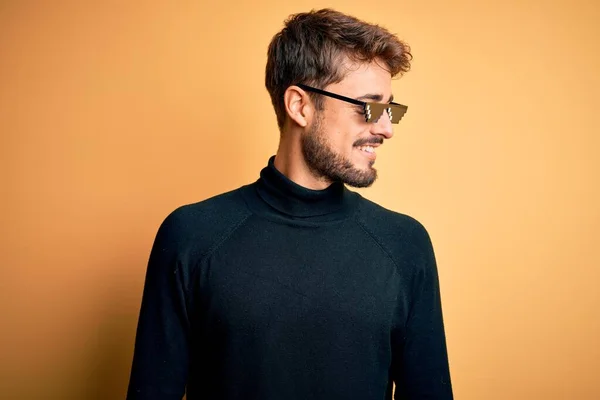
<point x="160" y="360"/>
<point x="420" y="368"/>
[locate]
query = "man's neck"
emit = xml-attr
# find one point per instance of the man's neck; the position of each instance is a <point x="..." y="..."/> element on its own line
<point x="290" y="162"/>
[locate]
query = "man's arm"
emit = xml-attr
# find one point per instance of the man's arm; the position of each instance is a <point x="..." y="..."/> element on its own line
<point x="420" y="368"/>
<point x="160" y="361"/>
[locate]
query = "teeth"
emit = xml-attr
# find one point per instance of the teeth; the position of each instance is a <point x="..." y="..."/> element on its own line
<point x="368" y="149"/>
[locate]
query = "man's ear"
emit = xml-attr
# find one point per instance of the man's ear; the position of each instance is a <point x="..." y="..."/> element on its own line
<point x="298" y="105"/>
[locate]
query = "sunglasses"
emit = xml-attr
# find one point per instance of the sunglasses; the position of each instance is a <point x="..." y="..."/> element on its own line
<point x="372" y="111"/>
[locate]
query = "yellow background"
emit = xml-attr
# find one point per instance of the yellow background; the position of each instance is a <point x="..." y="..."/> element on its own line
<point x="114" y="113"/>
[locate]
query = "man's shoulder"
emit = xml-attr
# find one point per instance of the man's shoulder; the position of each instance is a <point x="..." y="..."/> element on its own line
<point x="383" y="219"/>
<point x="227" y="205"/>
<point x="203" y="222"/>
<point x="400" y="234"/>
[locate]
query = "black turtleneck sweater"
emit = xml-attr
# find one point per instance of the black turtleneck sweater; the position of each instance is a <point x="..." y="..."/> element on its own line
<point x="276" y="292"/>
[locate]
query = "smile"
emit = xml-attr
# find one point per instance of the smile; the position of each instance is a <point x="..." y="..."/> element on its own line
<point x="368" y="149"/>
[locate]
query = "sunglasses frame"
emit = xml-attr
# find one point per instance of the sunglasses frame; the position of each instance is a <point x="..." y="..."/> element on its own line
<point x="370" y="109"/>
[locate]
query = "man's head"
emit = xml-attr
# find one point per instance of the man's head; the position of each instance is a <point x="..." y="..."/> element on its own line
<point x="340" y="54"/>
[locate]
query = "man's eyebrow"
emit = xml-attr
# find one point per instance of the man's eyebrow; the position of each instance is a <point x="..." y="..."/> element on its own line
<point x="374" y="97"/>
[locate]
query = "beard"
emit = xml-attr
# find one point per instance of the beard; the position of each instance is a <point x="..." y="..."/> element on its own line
<point x="324" y="162"/>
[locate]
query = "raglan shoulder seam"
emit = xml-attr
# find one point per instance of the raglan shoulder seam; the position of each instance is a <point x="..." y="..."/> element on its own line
<point x="224" y="238"/>
<point x="220" y="241"/>
<point x="376" y="240"/>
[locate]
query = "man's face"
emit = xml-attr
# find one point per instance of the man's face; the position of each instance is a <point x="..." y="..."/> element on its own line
<point x="340" y="145"/>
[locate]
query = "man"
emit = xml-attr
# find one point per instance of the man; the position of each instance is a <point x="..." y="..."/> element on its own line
<point x="294" y="287"/>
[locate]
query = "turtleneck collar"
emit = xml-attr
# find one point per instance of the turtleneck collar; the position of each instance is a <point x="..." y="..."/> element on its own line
<point x="287" y="198"/>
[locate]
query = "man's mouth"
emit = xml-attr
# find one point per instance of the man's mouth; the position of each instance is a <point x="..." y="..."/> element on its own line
<point x="367" y="149"/>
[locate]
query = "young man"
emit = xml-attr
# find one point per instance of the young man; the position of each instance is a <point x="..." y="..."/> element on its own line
<point x="294" y="287"/>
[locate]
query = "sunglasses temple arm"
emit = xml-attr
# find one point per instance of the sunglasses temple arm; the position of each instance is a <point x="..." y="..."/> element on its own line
<point x="333" y="95"/>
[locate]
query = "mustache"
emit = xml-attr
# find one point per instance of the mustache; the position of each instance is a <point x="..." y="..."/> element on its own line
<point x="366" y="142"/>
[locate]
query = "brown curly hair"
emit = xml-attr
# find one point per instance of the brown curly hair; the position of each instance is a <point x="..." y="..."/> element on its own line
<point x="312" y="46"/>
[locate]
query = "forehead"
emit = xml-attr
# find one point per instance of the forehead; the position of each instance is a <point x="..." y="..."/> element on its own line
<point x="362" y="78"/>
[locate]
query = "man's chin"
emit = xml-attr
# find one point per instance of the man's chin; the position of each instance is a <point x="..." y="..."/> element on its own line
<point x="361" y="178"/>
<point x="361" y="184"/>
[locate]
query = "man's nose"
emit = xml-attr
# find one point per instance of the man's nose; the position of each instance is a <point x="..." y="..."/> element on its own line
<point x="383" y="126"/>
